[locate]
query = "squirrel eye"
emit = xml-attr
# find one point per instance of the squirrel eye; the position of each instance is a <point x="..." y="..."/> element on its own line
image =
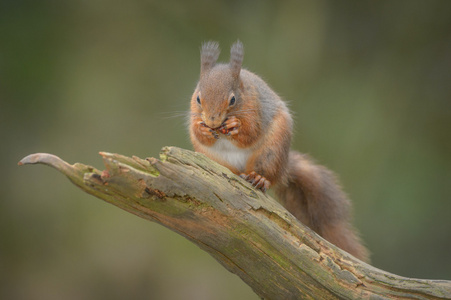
<point x="198" y="99"/>
<point x="232" y="100"/>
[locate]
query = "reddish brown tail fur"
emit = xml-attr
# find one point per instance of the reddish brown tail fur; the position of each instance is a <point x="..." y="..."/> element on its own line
<point x="314" y="196"/>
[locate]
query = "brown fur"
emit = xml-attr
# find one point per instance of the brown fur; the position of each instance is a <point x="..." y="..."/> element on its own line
<point x="314" y="196"/>
<point x="262" y="139"/>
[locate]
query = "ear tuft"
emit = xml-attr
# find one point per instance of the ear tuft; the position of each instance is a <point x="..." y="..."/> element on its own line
<point x="236" y="58"/>
<point x="209" y="53"/>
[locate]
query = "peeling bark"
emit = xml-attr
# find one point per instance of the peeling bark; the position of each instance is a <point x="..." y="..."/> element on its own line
<point x="246" y="231"/>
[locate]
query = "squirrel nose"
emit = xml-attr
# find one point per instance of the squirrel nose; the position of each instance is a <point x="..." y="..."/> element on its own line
<point x="213" y="122"/>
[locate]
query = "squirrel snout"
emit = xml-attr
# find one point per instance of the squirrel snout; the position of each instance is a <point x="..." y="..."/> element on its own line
<point x="213" y="121"/>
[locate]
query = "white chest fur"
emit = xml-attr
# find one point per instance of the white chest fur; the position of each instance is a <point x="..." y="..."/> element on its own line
<point x="231" y="154"/>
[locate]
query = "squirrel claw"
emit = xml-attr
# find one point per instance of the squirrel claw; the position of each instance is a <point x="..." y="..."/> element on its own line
<point x="233" y="131"/>
<point x="230" y="126"/>
<point x="207" y="131"/>
<point x="214" y="133"/>
<point x="257" y="181"/>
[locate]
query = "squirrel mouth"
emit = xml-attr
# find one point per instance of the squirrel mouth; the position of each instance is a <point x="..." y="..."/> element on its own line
<point x="220" y="129"/>
<point x="221" y="126"/>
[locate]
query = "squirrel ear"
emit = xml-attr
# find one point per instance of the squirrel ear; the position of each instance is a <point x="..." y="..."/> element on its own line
<point x="236" y="58"/>
<point x="209" y="53"/>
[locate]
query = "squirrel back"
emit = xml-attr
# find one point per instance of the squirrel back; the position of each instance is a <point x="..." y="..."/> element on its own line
<point x="237" y="120"/>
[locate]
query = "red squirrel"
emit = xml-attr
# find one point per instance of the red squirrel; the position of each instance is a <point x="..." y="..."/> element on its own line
<point x="237" y="120"/>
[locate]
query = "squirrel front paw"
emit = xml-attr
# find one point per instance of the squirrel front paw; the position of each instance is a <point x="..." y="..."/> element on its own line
<point x="207" y="131"/>
<point x="257" y="180"/>
<point x="231" y="126"/>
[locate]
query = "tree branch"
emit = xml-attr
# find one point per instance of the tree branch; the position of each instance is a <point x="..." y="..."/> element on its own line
<point x="247" y="231"/>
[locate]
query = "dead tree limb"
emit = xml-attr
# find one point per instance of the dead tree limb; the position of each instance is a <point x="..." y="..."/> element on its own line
<point x="248" y="232"/>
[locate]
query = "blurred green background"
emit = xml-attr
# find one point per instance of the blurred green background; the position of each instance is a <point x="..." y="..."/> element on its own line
<point x="368" y="82"/>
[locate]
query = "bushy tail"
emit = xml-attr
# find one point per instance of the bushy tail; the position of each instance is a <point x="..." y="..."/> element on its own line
<point x="314" y="197"/>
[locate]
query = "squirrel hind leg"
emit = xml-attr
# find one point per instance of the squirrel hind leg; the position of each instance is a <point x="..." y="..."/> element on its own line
<point x="257" y="180"/>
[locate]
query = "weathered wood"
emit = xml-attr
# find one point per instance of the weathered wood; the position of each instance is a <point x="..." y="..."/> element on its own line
<point x="247" y="231"/>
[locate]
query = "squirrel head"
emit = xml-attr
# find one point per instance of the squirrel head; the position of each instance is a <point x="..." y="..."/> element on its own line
<point x="218" y="91"/>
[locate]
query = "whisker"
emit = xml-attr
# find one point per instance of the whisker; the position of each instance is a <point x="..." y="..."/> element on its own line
<point x="174" y="114"/>
<point x="246" y="110"/>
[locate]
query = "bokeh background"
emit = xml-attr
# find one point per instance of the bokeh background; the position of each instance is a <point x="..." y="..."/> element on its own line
<point x="368" y="82"/>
